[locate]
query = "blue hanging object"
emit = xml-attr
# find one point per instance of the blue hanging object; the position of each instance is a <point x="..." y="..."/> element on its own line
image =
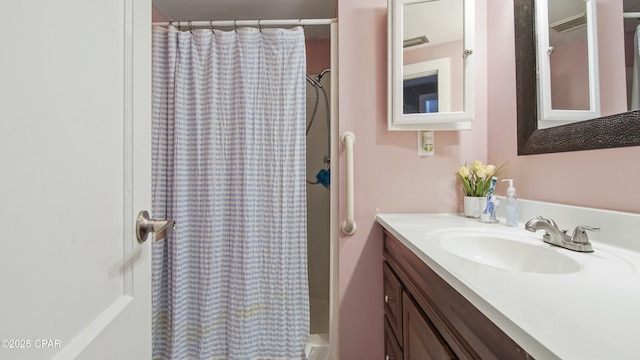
<point x="324" y="177"/>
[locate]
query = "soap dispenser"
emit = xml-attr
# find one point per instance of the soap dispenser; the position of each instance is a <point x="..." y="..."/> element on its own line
<point x="512" y="204"/>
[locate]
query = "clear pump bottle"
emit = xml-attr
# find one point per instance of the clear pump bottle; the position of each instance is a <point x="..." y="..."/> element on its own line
<point x="511" y="204"/>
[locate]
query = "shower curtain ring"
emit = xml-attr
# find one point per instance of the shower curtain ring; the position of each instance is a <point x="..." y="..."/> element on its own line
<point x="212" y="27"/>
<point x="260" y="25"/>
<point x="190" y="27"/>
<point x="235" y="25"/>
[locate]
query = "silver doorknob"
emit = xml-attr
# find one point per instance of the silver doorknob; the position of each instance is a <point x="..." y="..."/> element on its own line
<point x="145" y="226"/>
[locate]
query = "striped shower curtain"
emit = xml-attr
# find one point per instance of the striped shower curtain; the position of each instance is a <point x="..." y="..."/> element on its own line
<point x="229" y="166"/>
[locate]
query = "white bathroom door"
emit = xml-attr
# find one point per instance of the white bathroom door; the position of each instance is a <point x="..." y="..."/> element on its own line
<point x="75" y="154"/>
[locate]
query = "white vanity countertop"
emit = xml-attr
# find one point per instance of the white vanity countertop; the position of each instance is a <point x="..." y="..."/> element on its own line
<point x="593" y="313"/>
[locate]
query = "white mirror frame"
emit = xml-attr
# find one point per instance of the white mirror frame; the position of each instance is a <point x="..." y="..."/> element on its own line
<point x="453" y="120"/>
<point x="549" y="117"/>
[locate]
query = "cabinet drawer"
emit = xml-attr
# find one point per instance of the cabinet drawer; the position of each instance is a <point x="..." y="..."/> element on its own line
<point x="393" y="300"/>
<point x="392" y="350"/>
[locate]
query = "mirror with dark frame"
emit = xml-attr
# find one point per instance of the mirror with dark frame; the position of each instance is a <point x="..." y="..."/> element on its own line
<point x="619" y="130"/>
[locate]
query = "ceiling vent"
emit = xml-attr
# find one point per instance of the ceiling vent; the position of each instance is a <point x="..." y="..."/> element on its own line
<point x="419" y="40"/>
<point x="570" y="23"/>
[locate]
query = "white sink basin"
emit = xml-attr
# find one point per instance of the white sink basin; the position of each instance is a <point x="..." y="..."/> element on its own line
<point x="505" y="251"/>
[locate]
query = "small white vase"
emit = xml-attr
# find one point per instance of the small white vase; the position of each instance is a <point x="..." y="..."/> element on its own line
<point x="474" y="206"/>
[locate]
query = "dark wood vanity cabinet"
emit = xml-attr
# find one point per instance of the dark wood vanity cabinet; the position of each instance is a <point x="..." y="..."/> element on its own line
<point x="392" y="314"/>
<point x="407" y="327"/>
<point x="425" y="318"/>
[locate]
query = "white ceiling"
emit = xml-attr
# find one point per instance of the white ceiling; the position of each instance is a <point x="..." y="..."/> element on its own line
<point x="194" y="10"/>
<point x="439" y="21"/>
<point x="563" y="9"/>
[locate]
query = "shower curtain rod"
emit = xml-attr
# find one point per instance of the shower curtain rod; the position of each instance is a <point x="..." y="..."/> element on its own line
<point x="631" y="15"/>
<point x="236" y="23"/>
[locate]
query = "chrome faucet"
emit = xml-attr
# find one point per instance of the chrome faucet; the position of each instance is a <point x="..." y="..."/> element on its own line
<point x="578" y="241"/>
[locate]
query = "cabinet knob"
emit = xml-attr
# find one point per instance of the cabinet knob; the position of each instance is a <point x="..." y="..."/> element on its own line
<point x="388" y="298"/>
<point x="388" y="358"/>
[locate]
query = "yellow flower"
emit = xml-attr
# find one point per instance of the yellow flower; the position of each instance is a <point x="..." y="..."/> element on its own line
<point x="490" y="170"/>
<point x="464" y="172"/>
<point x="475" y="179"/>
<point x="477" y="164"/>
<point x="481" y="171"/>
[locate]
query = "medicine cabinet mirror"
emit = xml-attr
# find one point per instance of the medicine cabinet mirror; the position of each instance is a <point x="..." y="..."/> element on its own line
<point x="567" y="53"/>
<point x="431" y="64"/>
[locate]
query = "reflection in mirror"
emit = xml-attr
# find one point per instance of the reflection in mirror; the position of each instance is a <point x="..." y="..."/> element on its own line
<point x="568" y="80"/>
<point x="611" y="131"/>
<point x="427" y="87"/>
<point x="569" y="54"/>
<point x="432" y="34"/>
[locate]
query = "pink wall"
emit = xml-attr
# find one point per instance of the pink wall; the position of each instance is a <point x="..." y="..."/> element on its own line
<point x="318" y="55"/>
<point x="570" y="77"/>
<point x="597" y="178"/>
<point x="451" y="50"/>
<point x="389" y="175"/>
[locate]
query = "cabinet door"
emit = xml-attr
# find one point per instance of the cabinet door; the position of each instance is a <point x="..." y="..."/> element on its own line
<point x="393" y="300"/>
<point x="392" y="349"/>
<point x="421" y="340"/>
